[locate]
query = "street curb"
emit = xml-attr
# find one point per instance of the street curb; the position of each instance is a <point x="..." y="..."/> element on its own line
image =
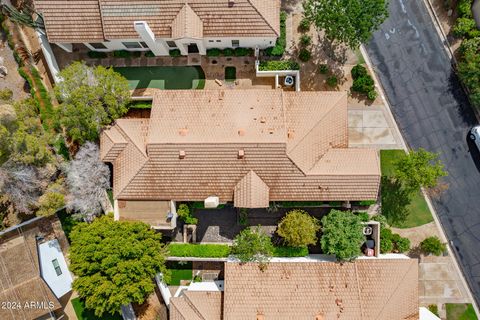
<point x="439" y="225"/>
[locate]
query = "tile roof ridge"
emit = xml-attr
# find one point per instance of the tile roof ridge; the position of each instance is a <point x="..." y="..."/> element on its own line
<point x="263" y="17"/>
<point x="192" y="306"/>
<point x="101" y="17"/>
<point x="398" y="284"/>
<point x="358" y="291"/>
<point x="129" y="139"/>
<point x="311" y="129"/>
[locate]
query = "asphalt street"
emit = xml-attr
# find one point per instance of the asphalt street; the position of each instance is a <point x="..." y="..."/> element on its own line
<point x="432" y="112"/>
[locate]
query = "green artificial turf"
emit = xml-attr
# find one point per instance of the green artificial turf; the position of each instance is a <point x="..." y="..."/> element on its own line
<point x="86" y="314"/>
<point x="419" y="212"/>
<point x="179" y="271"/>
<point x="169" y="78"/>
<point x="460" y="311"/>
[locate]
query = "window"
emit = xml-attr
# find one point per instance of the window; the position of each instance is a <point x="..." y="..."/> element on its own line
<point x="98" y="45"/>
<point x="235" y="43"/>
<point x="210" y="40"/>
<point x="171" y="44"/>
<point x="219" y="40"/>
<point x="132" y="45"/>
<point x="144" y="45"/>
<point x="57" y="267"/>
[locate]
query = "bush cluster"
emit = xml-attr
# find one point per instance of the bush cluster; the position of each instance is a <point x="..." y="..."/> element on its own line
<point x="149" y="54"/>
<point x="363" y="82"/>
<point x="281" y="43"/>
<point x="184" y="213"/>
<point x="278" y="65"/>
<point x="96" y="54"/>
<point x="433" y="245"/>
<point x="465" y="26"/>
<point x="229" y="52"/>
<point x="174" y="53"/>
<point x="393" y="242"/>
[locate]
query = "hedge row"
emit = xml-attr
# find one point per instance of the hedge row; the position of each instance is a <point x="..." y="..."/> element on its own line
<point x="223" y="251"/>
<point x="228" y="52"/>
<point x="281" y="42"/>
<point x="278" y="65"/>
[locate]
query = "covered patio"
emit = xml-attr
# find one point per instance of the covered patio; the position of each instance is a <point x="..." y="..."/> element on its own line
<point x="160" y="215"/>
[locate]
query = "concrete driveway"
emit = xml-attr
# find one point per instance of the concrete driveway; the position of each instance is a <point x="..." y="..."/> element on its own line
<point x="432" y="112"/>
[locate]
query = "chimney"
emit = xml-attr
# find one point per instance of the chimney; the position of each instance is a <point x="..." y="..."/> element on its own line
<point x="183" y="132"/>
<point x="231" y="3"/>
<point x="241" y="154"/>
<point x="291" y="133"/>
<point x="241" y="132"/>
<point x="181" y="154"/>
<point x="263" y="120"/>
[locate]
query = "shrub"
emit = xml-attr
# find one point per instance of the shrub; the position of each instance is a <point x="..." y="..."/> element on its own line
<point x="323" y="69"/>
<point x="122" y="54"/>
<point x="332" y="81"/>
<point x="363" y="84"/>
<point x="175" y="53"/>
<point x="358" y="71"/>
<point x="278" y="65"/>
<point x="96" y="54"/>
<point x="305" y="40"/>
<point x="470" y="46"/>
<point x="230" y="73"/>
<point x="464" y="9"/>
<point x="149" y="54"/>
<point x="228" y="52"/>
<point x="281" y="42"/>
<point x="214" y="52"/>
<point x="366" y="203"/>
<point x="342" y="235"/>
<point x="290" y="252"/>
<point x="243" y="220"/>
<point x="298" y="229"/>
<point x="183" y="212"/>
<point x="304" y="54"/>
<point x="433" y="309"/>
<point x="433" y="245"/>
<point x="136" y="54"/>
<point x="463" y="26"/>
<point x="199" y="250"/>
<point x="402" y="245"/>
<point x="372" y="95"/>
<point x="241" y="52"/>
<point x="252" y="245"/>
<point x="6" y="94"/>
<point x="363" y="216"/>
<point x="304" y="25"/>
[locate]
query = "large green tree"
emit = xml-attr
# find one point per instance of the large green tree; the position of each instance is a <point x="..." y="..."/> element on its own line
<point x="252" y="245"/>
<point x="90" y="98"/>
<point x="419" y="168"/>
<point x="115" y="262"/>
<point x="298" y="229"/>
<point x="351" y="22"/>
<point x="342" y="235"/>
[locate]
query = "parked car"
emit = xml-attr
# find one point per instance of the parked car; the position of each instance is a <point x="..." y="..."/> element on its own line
<point x="474" y="135"/>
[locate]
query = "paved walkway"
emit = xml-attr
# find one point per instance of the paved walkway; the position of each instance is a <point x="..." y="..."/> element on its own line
<point x="372" y="127"/>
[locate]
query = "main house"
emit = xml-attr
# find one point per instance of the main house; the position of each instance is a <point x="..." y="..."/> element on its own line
<point x="192" y="26"/>
<point x="363" y="289"/>
<point x="249" y="147"/>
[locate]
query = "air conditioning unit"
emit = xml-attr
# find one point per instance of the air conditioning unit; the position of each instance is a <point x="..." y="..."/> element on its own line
<point x="211" y="202"/>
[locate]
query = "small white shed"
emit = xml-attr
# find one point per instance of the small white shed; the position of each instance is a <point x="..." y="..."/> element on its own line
<point x="53" y="268"/>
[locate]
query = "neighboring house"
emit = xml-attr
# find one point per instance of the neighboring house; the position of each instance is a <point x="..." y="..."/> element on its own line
<point x="363" y="289"/>
<point x="192" y="26"/>
<point x="248" y="147"/>
<point x="476" y="12"/>
<point x="30" y="283"/>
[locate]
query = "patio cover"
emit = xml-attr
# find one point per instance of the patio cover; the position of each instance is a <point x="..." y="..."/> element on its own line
<point x="251" y="192"/>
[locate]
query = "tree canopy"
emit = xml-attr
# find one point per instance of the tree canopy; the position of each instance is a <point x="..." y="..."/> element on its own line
<point x="252" y="245"/>
<point x="115" y="262"/>
<point x="87" y="177"/>
<point x="298" y="229"/>
<point x="342" y="235"/>
<point x="91" y="98"/>
<point x="419" y="168"/>
<point x="351" y="22"/>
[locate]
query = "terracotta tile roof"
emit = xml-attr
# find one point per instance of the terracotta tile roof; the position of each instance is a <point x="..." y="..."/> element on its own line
<point x="202" y="305"/>
<point x="210" y="127"/>
<point x="187" y="24"/>
<point x="364" y="289"/>
<point x="251" y="192"/>
<point x="20" y="279"/>
<point x="113" y="19"/>
<point x="71" y="20"/>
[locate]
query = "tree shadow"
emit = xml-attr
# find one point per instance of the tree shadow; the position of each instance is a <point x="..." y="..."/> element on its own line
<point x="395" y="200"/>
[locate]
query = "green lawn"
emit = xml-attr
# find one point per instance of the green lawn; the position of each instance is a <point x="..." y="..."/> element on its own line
<point x="179" y="271"/>
<point x="460" y="311"/>
<point x="170" y="78"/>
<point x="419" y="212"/>
<point x="86" y="314"/>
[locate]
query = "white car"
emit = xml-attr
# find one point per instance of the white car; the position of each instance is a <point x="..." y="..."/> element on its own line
<point x="474" y="135"/>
